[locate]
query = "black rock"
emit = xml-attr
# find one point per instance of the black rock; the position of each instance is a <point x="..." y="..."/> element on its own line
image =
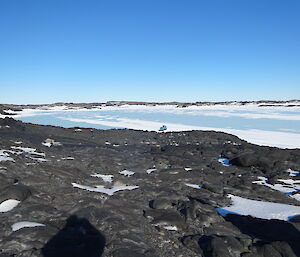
<point x="171" y="212"/>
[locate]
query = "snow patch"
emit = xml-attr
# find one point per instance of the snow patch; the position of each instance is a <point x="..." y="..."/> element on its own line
<point x="68" y="158"/>
<point x="4" y="156"/>
<point x="25" y="224"/>
<point x="293" y="173"/>
<point x="51" y="142"/>
<point x="149" y="171"/>
<point x="288" y="186"/>
<point x="224" y="161"/>
<point x="193" y="185"/>
<point x="105" y="178"/>
<point x="28" y="150"/>
<point x="102" y="189"/>
<point x="38" y="159"/>
<point x="8" y="205"/>
<point x="127" y="173"/>
<point x="259" y="209"/>
<point x="171" y="228"/>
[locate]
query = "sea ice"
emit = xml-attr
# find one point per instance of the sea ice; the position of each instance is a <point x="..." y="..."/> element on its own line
<point x="38" y="159"/>
<point x="285" y="139"/>
<point x="255" y="136"/>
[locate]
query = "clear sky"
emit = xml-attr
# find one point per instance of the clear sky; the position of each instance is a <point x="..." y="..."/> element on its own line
<point x="149" y="50"/>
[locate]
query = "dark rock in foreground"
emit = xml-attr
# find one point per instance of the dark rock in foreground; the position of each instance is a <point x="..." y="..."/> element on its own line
<point x="151" y="212"/>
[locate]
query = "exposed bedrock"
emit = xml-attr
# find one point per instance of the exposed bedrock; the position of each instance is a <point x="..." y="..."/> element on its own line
<point x="126" y="193"/>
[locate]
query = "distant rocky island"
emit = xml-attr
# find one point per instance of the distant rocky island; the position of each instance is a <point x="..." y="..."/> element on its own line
<point x="262" y="103"/>
<point x="128" y="193"/>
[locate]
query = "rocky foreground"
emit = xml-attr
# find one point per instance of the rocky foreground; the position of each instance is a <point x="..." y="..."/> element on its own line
<point x="87" y="192"/>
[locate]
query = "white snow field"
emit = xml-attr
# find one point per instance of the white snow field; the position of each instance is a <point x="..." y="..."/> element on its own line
<point x="277" y="125"/>
<point x="260" y="209"/>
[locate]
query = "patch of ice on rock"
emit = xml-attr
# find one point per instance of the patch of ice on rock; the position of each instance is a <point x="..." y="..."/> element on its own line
<point x="224" y="161"/>
<point x="51" y="142"/>
<point x="102" y="189"/>
<point x="293" y="173"/>
<point x="105" y="178"/>
<point x="193" y="185"/>
<point x="68" y="158"/>
<point x="8" y="205"/>
<point x="25" y="224"/>
<point x="127" y="173"/>
<point x="171" y="228"/>
<point x="46" y="144"/>
<point x="38" y="159"/>
<point x="259" y="209"/>
<point x="289" y="185"/>
<point x="4" y="156"/>
<point x="149" y="171"/>
<point x="28" y="150"/>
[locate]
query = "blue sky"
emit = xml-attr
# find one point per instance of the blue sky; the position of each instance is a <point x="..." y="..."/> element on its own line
<point x="149" y="50"/>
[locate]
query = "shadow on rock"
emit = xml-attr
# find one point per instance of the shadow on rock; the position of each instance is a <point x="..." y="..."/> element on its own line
<point x="267" y="230"/>
<point x="79" y="238"/>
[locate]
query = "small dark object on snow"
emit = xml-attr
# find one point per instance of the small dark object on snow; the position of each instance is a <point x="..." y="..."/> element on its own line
<point x="163" y="128"/>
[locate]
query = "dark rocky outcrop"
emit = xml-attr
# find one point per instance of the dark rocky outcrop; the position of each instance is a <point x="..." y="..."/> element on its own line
<point x="165" y="216"/>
